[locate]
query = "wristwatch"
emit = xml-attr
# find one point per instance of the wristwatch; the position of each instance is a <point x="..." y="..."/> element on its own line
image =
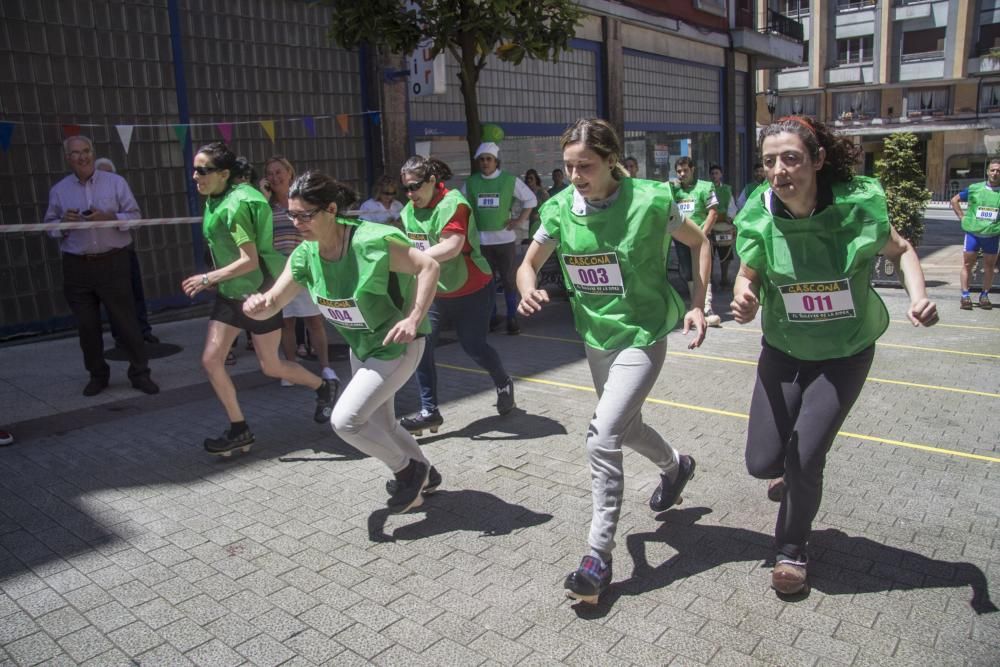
<point x="204" y="280"/>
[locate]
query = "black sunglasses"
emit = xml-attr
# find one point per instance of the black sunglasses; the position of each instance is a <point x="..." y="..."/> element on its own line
<point x="413" y="187"/>
<point x="204" y="171"/>
<point x="391" y="193"/>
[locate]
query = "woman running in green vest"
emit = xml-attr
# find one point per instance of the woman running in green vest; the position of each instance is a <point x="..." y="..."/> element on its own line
<point x="807" y="244"/>
<point x="361" y="275"/>
<point x="612" y="234"/>
<point x="238" y="231"/>
<point x="439" y="221"/>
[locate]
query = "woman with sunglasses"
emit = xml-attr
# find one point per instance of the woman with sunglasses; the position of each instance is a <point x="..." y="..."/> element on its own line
<point x="383" y="206"/>
<point x="807" y="244"/>
<point x="361" y="275"/>
<point x="439" y="221"/>
<point x="238" y="230"/>
<point x="612" y="234"/>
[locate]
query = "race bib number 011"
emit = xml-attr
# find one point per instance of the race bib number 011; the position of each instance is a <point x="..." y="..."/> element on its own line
<point x="419" y="241"/>
<point x="986" y="213"/>
<point x="818" y="302"/>
<point x="342" y="313"/>
<point x="595" y="274"/>
<point x="491" y="200"/>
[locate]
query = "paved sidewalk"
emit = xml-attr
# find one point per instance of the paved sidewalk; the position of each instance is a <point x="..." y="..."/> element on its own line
<point x="122" y="542"/>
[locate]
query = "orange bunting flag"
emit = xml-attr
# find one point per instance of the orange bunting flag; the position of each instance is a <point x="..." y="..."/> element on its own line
<point x="343" y="121"/>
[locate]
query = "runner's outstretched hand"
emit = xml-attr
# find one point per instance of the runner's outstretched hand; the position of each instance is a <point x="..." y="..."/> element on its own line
<point x="695" y="318"/>
<point x="923" y="311"/>
<point x="744" y="306"/>
<point x="533" y="302"/>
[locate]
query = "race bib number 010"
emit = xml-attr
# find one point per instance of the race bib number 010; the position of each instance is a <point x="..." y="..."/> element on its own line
<point x="419" y="241"/>
<point x="491" y="200"/>
<point x="342" y="313"/>
<point x="595" y="274"/>
<point x="986" y="213"/>
<point x="818" y="302"/>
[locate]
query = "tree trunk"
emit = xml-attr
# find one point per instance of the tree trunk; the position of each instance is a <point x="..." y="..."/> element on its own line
<point x="468" y="77"/>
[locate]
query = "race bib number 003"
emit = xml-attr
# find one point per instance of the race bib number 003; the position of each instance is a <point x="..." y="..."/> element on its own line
<point x="595" y="274"/>
<point x="419" y="241"/>
<point x="342" y="313"/>
<point x="987" y="213"/>
<point x="818" y="302"/>
<point x="491" y="200"/>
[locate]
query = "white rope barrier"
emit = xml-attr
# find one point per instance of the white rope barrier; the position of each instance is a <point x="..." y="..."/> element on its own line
<point x="112" y="224"/>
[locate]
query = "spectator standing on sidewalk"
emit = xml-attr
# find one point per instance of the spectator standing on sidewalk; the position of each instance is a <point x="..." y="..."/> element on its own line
<point x="95" y="263"/>
<point x="981" y="224"/>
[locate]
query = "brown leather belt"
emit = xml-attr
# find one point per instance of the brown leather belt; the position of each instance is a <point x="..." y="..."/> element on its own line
<point x="96" y="256"/>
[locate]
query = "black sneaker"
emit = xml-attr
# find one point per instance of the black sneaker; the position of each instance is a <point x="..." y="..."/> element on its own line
<point x="326" y="398"/>
<point x="227" y="443"/>
<point x="513" y="328"/>
<point x="668" y="494"/>
<point x="144" y="384"/>
<point x="406" y="493"/>
<point x="95" y="386"/>
<point x="494" y="324"/>
<point x="588" y="581"/>
<point x="430" y="419"/>
<point x="433" y="482"/>
<point x="505" y="397"/>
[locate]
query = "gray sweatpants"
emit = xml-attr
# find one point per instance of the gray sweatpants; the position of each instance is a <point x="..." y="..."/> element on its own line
<point x="623" y="379"/>
<point x="365" y="414"/>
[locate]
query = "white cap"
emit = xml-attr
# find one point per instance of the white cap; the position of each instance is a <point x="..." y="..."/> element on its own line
<point x="488" y="148"/>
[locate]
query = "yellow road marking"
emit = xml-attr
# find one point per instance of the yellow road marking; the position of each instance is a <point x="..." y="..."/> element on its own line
<point x="950" y="326"/>
<point x="738" y="415"/>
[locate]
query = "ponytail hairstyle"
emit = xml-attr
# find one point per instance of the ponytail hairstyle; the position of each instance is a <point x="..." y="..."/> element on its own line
<point x="318" y="189"/>
<point x="221" y="157"/>
<point x="841" y="152"/>
<point x="425" y="167"/>
<point x="597" y="135"/>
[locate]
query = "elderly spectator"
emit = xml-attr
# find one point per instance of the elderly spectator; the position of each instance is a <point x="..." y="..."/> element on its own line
<point x="383" y="206"/>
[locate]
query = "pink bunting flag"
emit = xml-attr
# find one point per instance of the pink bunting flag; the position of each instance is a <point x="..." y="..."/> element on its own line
<point x="226" y="130"/>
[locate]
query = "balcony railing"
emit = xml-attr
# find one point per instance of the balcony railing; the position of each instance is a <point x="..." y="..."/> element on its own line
<point x="782" y="25"/>
<point x="917" y="57"/>
<point x="850" y="5"/>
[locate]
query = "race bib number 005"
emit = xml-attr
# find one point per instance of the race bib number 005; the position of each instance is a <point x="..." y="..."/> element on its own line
<point x="595" y="274"/>
<point x="419" y="241"/>
<point x="342" y="313"/>
<point x="818" y="302"/>
<point x="986" y="213"/>
<point x="491" y="200"/>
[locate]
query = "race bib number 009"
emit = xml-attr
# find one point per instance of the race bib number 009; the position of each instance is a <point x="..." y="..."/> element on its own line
<point x="986" y="213"/>
<point x="818" y="302"/>
<point x="491" y="200"/>
<point x="595" y="274"/>
<point x="419" y="241"/>
<point x="342" y="313"/>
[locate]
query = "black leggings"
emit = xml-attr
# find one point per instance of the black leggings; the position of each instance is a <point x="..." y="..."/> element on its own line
<point x="797" y="408"/>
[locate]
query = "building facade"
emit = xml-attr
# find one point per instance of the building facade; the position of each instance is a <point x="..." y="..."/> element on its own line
<point x="875" y="67"/>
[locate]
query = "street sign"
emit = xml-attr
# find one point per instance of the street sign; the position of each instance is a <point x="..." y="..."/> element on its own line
<point x="427" y="75"/>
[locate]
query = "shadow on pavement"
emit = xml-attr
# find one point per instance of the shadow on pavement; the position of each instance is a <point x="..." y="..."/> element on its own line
<point x="516" y="425"/>
<point x="839" y="563"/>
<point x="455" y="511"/>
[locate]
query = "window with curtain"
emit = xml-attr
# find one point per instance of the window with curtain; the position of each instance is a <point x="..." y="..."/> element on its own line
<point x="857" y="105"/>
<point x="927" y="101"/>
<point x="796" y="105"/>
<point x="989" y="97"/>
<point x="855" y="50"/>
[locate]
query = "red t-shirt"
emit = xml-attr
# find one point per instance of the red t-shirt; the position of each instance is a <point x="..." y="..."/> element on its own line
<point x="459" y="224"/>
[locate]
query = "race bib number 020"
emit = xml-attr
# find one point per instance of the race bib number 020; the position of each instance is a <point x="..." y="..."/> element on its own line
<point x="595" y="274"/>
<point x="342" y="313"/>
<point x="686" y="207"/>
<point x="419" y="241"/>
<point x="491" y="200"/>
<point x="818" y="302"/>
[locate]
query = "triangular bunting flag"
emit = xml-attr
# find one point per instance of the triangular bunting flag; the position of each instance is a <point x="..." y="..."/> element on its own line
<point x="125" y="134"/>
<point x="343" y="121"/>
<point x="70" y="131"/>
<point x="226" y="130"/>
<point x="182" y="132"/>
<point x="268" y="126"/>
<point x="6" y="132"/>
<point x="310" y="124"/>
<point x="376" y="119"/>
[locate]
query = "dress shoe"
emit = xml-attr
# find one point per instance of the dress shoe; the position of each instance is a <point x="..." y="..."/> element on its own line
<point x="150" y="338"/>
<point x="144" y="384"/>
<point x="95" y="386"/>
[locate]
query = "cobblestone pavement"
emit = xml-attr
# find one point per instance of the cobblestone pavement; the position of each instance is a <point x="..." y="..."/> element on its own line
<point x="122" y="542"/>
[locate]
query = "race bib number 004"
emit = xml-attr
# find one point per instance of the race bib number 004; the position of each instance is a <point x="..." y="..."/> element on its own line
<point x="491" y="200"/>
<point x="342" y="313"/>
<point x="419" y="241"/>
<point x="987" y="213"/>
<point x="595" y="274"/>
<point x="818" y="302"/>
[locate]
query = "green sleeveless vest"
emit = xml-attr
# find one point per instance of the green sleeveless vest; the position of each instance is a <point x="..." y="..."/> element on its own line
<point x="982" y="218"/>
<point x="358" y="294"/>
<point x="241" y="215"/>
<point x="693" y="203"/>
<point x="724" y="193"/>
<point x="423" y="226"/>
<point x="491" y="200"/>
<point x="816" y="298"/>
<point x="615" y="265"/>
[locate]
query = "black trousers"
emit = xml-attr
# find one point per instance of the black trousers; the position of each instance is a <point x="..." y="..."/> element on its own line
<point x="502" y="260"/>
<point x="795" y="413"/>
<point x="88" y="282"/>
<point x="139" y="296"/>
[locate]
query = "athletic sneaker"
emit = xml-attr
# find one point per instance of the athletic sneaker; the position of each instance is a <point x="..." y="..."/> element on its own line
<point x="424" y="419"/>
<point x="326" y="397"/>
<point x="788" y="576"/>
<point x="984" y="302"/>
<point x="668" y="493"/>
<point x="225" y="444"/>
<point x="711" y="319"/>
<point x="513" y="328"/>
<point x="966" y="303"/>
<point x="505" y="397"/>
<point x="7" y="438"/>
<point x="776" y="489"/>
<point x="433" y="482"/>
<point x="588" y="581"/>
<point x="406" y="494"/>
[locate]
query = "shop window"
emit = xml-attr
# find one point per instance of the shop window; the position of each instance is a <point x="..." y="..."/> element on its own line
<point x="927" y="102"/>
<point x="923" y="44"/>
<point x="963" y="171"/>
<point x="855" y="50"/>
<point x="859" y="105"/>
<point x="657" y="152"/>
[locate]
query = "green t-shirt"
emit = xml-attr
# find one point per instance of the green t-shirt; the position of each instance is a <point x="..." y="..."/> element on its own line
<point x="423" y="227"/>
<point x="982" y="217"/>
<point x="816" y="297"/>
<point x="239" y="216"/>
<point x="693" y="201"/>
<point x="359" y="294"/>
<point x="491" y="200"/>
<point x="614" y="263"/>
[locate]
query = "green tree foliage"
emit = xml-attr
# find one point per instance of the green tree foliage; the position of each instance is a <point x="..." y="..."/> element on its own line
<point x="906" y="197"/>
<point x="470" y="30"/>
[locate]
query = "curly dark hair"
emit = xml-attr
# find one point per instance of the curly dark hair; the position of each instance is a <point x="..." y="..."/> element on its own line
<point x="425" y="167"/>
<point x="841" y="151"/>
<point x="318" y="189"/>
<point x="222" y="157"/>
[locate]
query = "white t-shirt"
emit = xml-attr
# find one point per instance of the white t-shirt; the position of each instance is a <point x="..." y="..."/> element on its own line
<point x="374" y="211"/>
<point x="523" y="196"/>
